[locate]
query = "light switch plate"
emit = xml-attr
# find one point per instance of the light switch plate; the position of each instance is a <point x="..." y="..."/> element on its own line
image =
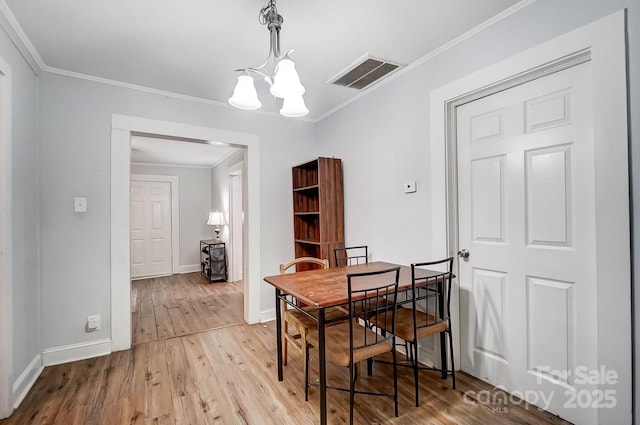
<point x="79" y="204"/>
<point x="409" y="187"/>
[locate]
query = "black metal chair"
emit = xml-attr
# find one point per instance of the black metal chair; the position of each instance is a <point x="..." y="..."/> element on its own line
<point x="349" y="342"/>
<point x="352" y="255"/>
<point x="429" y="315"/>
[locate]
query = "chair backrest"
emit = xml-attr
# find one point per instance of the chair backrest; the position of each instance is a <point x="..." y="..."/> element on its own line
<point x="369" y="293"/>
<point x="323" y="263"/>
<point x="352" y="255"/>
<point x="435" y="290"/>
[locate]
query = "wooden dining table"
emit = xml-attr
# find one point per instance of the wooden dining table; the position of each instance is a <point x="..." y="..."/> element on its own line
<point x="322" y="289"/>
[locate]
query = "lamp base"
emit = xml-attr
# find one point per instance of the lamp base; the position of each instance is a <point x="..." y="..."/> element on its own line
<point x="217" y="236"/>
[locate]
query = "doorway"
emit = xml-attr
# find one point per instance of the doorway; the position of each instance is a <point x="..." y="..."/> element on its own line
<point x="122" y="128"/>
<point x="6" y="304"/>
<point x="527" y="224"/>
<point x="155" y="225"/>
<point x="602" y="44"/>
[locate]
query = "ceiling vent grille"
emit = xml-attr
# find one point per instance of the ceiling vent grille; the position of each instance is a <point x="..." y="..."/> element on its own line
<point x="364" y="72"/>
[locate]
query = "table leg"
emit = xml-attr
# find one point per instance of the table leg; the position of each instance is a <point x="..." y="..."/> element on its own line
<point x="279" y="335"/>
<point x="443" y="341"/>
<point x="322" y="367"/>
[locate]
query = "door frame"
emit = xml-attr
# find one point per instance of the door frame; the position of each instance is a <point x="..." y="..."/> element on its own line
<point x="603" y="43"/>
<point x="122" y="127"/>
<point x="6" y="282"/>
<point x="234" y="170"/>
<point x="175" y="214"/>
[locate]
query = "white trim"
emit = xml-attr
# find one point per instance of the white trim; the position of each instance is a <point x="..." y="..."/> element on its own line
<point x="164" y="93"/>
<point x="175" y="213"/>
<point x="6" y="278"/>
<point x="20" y="40"/>
<point x="155" y="164"/>
<point x="438" y="51"/>
<point x="472" y="32"/>
<point x="26" y="380"/>
<point x="151" y="276"/>
<point x="75" y="352"/>
<point x="234" y="170"/>
<point x="268" y="315"/>
<point x="121" y="128"/>
<point x="189" y="269"/>
<point x="606" y="43"/>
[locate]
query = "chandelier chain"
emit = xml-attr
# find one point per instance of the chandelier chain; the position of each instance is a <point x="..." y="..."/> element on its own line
<point x="265" y="12"/>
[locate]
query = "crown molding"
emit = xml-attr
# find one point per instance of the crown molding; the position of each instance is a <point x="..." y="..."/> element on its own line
<point x="439" y="50"/>
<point x="28" y="51"/>
<point x="14" y="31"/>
<point x="171" y="165"/>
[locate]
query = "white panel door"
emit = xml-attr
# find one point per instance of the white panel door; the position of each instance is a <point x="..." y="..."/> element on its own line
<point x="527" y="217"/>
<point x="150" y="228"/>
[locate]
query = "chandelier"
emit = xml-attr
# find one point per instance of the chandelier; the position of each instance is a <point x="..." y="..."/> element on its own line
<point x="285" y="82"/>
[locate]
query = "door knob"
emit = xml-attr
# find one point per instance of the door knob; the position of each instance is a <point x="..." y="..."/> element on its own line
<point x="463" y="253"/>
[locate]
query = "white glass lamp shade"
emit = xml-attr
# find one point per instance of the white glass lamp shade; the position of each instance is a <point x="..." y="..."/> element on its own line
<point x="294" y="107"/>
<point x="244" y="94"/>
<point x="286" y="82"/>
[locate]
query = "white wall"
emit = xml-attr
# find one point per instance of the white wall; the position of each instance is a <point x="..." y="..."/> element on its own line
<point x="23" y="254"/>
<point x="75" y="139"/>
<point x="195" y="200"/>
<point x="384" y="138"/>
<point x="220" y="190"/>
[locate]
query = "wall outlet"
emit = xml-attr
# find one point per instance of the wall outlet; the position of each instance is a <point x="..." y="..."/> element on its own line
<point x="93" y="323"/>
<point x="79" y="204"/>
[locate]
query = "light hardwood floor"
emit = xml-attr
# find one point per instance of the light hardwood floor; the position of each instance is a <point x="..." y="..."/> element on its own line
<point x="184" y="304"/>
<point x="227" y="375"/>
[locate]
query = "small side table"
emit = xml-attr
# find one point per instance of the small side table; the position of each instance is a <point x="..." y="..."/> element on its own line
<point x="213" y="260"/>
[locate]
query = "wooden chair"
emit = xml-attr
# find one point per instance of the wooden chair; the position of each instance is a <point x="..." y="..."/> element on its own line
<point x="297" y="321"/>
<point x="350" y="342"/>
<point x="429" y="315"/>
<point x="352" y="255"/>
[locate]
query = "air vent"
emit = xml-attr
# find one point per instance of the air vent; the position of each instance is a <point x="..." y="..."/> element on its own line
<point x="364" y="72"/>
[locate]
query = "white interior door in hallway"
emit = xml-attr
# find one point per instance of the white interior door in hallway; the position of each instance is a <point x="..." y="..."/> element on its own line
<point x="526" y="203"/>
<point x="150" y="228"/>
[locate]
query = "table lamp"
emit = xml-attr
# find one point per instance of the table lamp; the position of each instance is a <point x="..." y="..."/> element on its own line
<point x="216" y="218"/>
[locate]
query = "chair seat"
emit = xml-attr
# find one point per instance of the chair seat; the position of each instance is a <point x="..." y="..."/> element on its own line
<point x="337" y="343"/>
<point x="404" y="324"/>
<point x="310" y="323"/>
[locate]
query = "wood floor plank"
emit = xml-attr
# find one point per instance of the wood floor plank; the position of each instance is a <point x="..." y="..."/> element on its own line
<point x="227" y="375"/>
<point x="146" y="308"/>
<point x="164" y="325"/>
<point x="145" y="330"/>
<point x="192" y="318"/>
<point x="178" y="321"/>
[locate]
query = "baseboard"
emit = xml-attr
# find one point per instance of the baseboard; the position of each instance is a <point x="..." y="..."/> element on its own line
<point x="190" y="268"/>
<point x="75" y="352"/>
<point x="25" y="381"/>
<point x="267" y="315"/>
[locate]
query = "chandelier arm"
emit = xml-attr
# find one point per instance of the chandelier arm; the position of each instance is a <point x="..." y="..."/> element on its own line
<point x="270" y="17"/>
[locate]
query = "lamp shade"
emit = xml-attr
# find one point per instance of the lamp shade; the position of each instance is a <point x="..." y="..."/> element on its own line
<point x="286" y="82"/>
<point x="216" y="218"/>
<point x="293" y="106"/>
<point x="244" y="94"/>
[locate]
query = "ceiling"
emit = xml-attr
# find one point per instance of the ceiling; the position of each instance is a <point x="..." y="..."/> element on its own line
<point x="192" y="47"/>
<point x="159" y="150"/>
